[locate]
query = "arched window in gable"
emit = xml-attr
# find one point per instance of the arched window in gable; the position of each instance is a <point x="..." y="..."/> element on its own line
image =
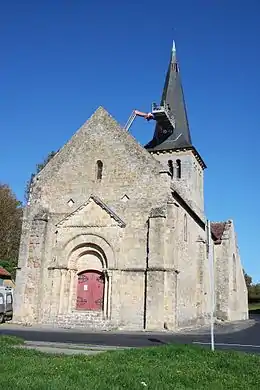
<point x="99" y="170"/>
<point x="178" y="169"/>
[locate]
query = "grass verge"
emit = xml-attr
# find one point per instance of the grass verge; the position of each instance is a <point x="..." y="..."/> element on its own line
<point x="164" y="367"/>
<point x="6" y="341"/>
<point x="254" y="306"/>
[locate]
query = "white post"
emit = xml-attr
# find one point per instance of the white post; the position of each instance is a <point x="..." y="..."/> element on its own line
<point x="212" y="283"/>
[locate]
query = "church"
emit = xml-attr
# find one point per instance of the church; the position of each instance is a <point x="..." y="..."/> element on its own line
<point x="114" y="234"/>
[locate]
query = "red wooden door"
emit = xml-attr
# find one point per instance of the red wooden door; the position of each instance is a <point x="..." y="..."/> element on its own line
<point x="90" y="291"/>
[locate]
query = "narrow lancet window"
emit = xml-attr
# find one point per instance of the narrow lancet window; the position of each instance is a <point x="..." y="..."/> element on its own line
<point x="170" y="165"/>
<point x="234" y="272"/>
<point x="185" y="228"/>
<point x="99" y="170"/>
<point x="178" y="169"/>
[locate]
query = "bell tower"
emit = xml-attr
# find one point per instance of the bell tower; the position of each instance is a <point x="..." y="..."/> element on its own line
<point x="173" y="147"/>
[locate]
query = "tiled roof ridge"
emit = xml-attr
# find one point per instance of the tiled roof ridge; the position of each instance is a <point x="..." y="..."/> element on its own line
<point x="4" y="272"/>
<point x="218" y="229"/>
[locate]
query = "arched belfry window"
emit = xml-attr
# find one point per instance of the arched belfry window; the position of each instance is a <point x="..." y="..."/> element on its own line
<point x="99" y="170"/>
<point x="170" y="165"/>
<point x="178" y="169"/>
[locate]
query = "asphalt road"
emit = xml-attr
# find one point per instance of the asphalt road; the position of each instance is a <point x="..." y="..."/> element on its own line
<point x="245" y="340"/>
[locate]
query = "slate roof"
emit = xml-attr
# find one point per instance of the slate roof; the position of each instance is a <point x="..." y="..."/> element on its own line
<point x="174" y="97"/>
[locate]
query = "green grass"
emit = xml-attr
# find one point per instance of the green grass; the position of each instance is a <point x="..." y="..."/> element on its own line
<point x="165" y="367"/>
<point x="10" y="340"/>
<point x="254" y="306"/>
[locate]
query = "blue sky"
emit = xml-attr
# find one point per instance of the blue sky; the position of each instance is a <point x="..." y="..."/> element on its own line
<point x="60" y="60"/>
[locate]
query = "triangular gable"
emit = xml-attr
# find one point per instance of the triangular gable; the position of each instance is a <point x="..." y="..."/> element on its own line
<point x="92" y="213"/>
<point x="100" y="122"/>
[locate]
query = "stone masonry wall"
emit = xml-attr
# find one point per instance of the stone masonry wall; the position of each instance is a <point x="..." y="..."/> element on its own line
<point x="193" y="298"/>
<point x="27" y="303"/>
<point x="231" y="291"/>
<point x="131" y="186"/>
<point x="21" y="272"/>
<point x="151" y="248"/>
<point x="155" y="288"/>
<point x="191" y="184"/>
<point x="184" y="246"/>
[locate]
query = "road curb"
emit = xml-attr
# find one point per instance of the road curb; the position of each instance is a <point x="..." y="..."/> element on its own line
<point x="220" y="328"/>
<point x="73" y="346"/>
<point x="67" y="348"/>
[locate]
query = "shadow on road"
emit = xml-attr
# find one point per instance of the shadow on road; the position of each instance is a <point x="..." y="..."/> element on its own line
<point x="156" y="340"/>
<point x="254" y="312"/>
<point x="248" y="337"/>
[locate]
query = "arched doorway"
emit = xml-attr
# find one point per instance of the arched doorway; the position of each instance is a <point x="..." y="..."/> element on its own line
<point x="87" y="253"/>
<point x="90" y="291"/>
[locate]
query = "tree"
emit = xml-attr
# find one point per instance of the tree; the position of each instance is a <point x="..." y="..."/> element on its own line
<point x="253" y="289"/>
<point x="10" y="231"/>
<point x="39" y="167"/>
<point x="254" y="293"/>
<point x="248" y="279"/>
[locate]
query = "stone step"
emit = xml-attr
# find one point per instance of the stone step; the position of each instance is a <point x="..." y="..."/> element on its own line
<point x="88" y="314"/>
<point x="67" y="317"/>
<point x="80" y="325"/>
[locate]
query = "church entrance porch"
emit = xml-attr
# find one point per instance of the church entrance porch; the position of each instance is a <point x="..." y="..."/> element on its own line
<point x="90" y="291"/>
<point x="81" y="286"/>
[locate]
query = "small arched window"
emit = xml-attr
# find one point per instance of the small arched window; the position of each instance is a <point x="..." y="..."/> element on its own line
<point x="170" y="165"/>
<point x="178" y="169"/>
<point x="185" y="228"/>
<point x="99" y="170"/>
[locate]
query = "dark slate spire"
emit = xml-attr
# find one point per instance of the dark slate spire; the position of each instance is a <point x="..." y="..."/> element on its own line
<point x="172" y="96"/>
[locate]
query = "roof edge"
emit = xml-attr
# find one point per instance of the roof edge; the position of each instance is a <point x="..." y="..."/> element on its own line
<point x="101" y="204"/>
<point x="181" y="149"/>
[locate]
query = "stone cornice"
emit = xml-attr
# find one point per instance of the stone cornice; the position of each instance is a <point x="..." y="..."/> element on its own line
<point x="182" y="149"/>
<point x="101" y="204"/>
<point x="132" y="269"/>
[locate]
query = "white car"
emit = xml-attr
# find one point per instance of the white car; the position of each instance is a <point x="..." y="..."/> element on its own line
<point x="6" y="304"/>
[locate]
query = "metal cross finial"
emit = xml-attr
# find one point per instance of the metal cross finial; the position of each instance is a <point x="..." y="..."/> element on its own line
<point x="173" y="47"/>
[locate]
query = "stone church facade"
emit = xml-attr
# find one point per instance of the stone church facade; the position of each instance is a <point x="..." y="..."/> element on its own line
<point x="114" y="233"/>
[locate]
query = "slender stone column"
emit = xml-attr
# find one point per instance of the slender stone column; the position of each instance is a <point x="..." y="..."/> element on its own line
<point x="66" y="294"/>
<point x="71" y="305"/>
<point x="105" y="298"/>
<point x="109" y="294"/>
<point x="61" y="300"/>
<point x="56" y="291"/>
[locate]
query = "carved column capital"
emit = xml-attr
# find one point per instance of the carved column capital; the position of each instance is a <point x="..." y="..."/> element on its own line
<point x="108" y="272"/>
